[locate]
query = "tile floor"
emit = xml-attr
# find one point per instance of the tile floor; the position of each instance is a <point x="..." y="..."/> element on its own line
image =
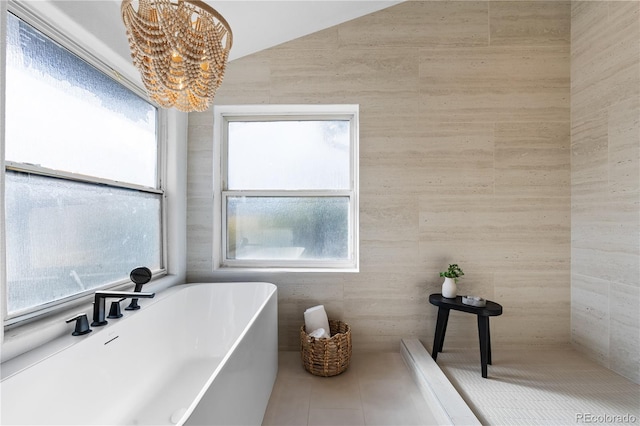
<point x="545" y="386"/>
<point x="376" y="389"/>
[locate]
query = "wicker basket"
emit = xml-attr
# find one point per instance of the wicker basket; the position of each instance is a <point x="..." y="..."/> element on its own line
<point x="327" y="357"/>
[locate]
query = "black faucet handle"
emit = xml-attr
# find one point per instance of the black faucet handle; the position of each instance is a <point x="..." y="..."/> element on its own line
<point x="114" y="310"/>
<point x="82" y="324"/>
<point x="140" y="276"/>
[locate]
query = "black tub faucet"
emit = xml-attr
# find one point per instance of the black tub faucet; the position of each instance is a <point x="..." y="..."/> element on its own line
<point x="140" y="276"/>
<point x="99" y="303"/>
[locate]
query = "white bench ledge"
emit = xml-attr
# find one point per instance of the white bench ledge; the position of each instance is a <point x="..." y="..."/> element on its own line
<point x="435" y="387"/>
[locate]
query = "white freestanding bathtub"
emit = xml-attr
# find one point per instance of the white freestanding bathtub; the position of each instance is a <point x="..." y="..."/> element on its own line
<point x="196" y="354"/>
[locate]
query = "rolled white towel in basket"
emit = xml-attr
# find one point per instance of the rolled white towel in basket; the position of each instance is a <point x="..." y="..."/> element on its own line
<point x="319" y="334"/>
<point x="316" y="318"/>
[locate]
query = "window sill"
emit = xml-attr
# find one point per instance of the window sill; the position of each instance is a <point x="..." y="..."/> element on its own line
<point x="52" y="330"/>
<point x="270" y="270"/>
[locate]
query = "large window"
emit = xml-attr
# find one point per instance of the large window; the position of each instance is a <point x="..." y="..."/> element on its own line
<point x="287" y="187"/>
<point x="83" y="203"/>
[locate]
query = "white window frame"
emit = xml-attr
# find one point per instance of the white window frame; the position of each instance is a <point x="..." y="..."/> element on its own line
<point x="33" y="19"/>
<point x="223" y="114"/>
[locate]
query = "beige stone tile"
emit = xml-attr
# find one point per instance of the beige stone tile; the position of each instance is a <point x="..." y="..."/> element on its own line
<point x="494" y="105"/>
<point x="430" y="159"/>
<point x="338" y="392"/>
<point x="532" y="159"/>
<point x="470" y="215"/>
<point x="290" y="365"/>
<point x="623" y="54"/>
<point x="519" y="250"/>
<point x="513" y="328"/>
<point x="496" y="69"/>
<point x="387" y="178"/>
<point x="535" y="301"/>
<point x="391" y="71"/>
<point x="624" y="346"/>
<point x="386" y="121"/>
<point x="605" y="55"/>
<point x="204" y="118"/>
<point x="377" y="387"/>
<point x="594" y="261"/>
<point x="459" y="229"/>
<point x="386" y="403"/>
<point x="533" y="233"/>
<point x="247" y="80"/>
<point x="390" y="217"/>
<point x="495" y="84"/>
<point x="479" y="251"/>
<point x="536" y="23"/>
<point x="336" y="416"/>
<point x="376" y="315"/>
<point x="383" y="256"/>
<point x="289" y="402"/>
<point x="423" y="23"/>
<point x="380" y="365"/>
<point x="588" y="26"/>
<point x="200" y="137"/>
<point x="589" y="153"/>
<point x="530" y="215"/>
<point x="590" y="317"/>
<point x="605" y="238"/>
<point x="301" y="76"/>
<point x="372" y="343"/>
<point x="624" y="145"/>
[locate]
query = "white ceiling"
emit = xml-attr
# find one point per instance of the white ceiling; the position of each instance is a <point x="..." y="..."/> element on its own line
<point x="256" y="24"/>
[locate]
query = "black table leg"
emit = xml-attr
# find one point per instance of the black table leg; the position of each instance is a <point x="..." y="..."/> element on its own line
<point x="441" y="329"/>
<point x="444" y="328"/>
<point x="488" y="341"/>
<point x="483" y="334"/>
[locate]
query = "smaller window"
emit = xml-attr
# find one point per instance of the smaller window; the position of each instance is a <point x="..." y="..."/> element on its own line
<point x="287" y="186"/>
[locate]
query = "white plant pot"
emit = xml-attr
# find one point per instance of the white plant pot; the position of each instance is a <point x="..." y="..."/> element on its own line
<point x="449" y="288"/>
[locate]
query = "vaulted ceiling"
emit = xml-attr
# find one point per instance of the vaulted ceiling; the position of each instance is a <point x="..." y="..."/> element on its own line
<point x="256" y="24"/>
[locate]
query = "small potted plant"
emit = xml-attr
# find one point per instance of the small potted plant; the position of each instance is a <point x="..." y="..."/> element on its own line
<point x="451" y="275"/>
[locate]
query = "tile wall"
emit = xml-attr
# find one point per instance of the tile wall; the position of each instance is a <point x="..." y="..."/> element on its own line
<point x="464" y="158"/>
<point x="605" y="183"/>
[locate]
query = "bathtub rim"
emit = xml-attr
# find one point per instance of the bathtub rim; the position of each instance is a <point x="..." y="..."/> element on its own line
<point x="41" y="353"/>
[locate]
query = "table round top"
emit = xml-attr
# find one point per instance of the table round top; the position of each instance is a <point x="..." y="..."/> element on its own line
<point x="491" y="309"/>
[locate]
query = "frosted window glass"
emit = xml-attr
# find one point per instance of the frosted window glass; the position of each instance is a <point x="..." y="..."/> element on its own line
<point x="63" y="114"/>
<point x="288" y="228"/>
<point x="65" y="237"/>
<point x="289" y="155"/>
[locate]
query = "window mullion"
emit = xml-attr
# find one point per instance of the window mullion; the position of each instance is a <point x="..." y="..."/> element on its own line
<point x="275" y="193"/>
<point x="43" y="171"/>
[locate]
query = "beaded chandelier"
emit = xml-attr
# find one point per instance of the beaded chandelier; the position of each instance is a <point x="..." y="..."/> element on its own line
<point x="180" y="48"/>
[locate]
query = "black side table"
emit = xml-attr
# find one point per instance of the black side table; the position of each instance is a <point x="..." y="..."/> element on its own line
<point x="445" y="305"/>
